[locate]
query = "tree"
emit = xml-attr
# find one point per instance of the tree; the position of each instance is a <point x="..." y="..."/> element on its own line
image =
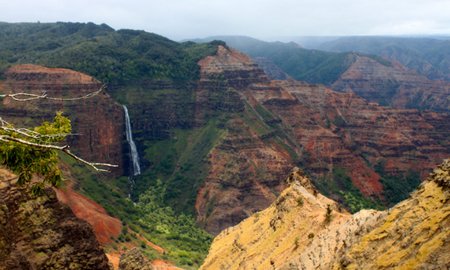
<point x="28" y="152"/>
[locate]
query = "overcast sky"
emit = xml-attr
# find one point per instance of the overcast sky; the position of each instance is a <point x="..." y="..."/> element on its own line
<point x="179" y="19"/>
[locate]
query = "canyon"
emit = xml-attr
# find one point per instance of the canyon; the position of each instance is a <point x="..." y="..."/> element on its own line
<point x="284" y="123"/>
<point x="216" y="142"/>
<point x="269" y="127"/>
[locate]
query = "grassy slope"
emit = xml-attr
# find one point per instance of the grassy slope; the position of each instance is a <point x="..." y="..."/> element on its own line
<point x="181" y="162"/>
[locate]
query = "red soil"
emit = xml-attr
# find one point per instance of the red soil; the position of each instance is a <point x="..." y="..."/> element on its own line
<point x="163" y="265"/>
<point x="105" y="227"/>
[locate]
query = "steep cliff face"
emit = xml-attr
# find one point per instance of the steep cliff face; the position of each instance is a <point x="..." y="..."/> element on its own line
<point x="41" y="233"/>
<point x="274" y="125"/>
<point x="243" y="177"/>
<point x="97" y="122"/>
<point x="304" y="230"/>
<point x="244" y="167"/>
<point x="394" y="85"/>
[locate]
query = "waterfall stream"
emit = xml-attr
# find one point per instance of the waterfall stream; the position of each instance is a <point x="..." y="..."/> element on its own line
<point x="133" y="150"/>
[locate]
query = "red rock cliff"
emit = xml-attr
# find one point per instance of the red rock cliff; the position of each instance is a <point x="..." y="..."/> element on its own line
<point x="97" y="121"/>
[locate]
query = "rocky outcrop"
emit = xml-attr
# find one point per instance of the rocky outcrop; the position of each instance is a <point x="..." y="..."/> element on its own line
<point x="394" y="85"/>
<point x="97" y="122"/>
<point x="268" y="239"/>
<point x="413" y="235"/>
<point x="134" y="260"/>
<point x="41" y="233"/>
<point x="236" y="68"/>
<point x="304" y="230"/>
<point x="106" y="228"/>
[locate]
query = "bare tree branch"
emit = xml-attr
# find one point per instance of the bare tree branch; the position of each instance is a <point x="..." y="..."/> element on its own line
<point x="94" y="165"/>
<point x="30" y="133"/>
<point x="29" y="96"/>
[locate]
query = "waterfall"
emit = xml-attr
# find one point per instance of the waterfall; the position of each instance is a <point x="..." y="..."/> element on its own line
<point x="133" y="150"/>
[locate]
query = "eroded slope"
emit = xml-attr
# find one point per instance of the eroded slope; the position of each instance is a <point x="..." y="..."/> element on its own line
<point x="305" y="230"/>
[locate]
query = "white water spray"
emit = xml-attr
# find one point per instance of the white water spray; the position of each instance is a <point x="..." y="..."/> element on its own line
<point x="133" y="150"/>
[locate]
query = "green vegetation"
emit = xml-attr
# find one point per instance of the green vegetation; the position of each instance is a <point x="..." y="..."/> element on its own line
<point x="300" y="201"/>
<point x="340" y="185"/>
<point x="181" y="162"/>
<point x="270" y="128"/>
<point x="25" y="152"/>
<point x="150" y="218"/>
<point x="114" y="57"/>
<point x="302" y="64"/>
<point x="428" y="56"/>
<point x="397" y="187"/>
<point x="312" y="66"/>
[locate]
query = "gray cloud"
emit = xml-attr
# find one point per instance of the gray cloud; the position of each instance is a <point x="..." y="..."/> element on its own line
<point x="180" y="19"/>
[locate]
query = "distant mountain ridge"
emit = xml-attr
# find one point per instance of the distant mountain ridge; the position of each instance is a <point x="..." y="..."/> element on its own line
<point x="427" y="56"/>
<point x="384" y="79"/>
<point x="301" y="64"/>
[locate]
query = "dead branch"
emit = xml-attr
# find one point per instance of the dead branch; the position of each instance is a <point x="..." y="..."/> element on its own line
<point x="28" y="96"/>
<point x="30" y="133"/>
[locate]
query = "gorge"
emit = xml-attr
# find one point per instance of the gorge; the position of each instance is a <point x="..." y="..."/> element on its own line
<point x="217" y="137"/>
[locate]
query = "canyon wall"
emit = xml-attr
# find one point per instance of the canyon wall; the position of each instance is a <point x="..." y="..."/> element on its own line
<point x="97" y="122"/>
<point x="276" y="125"/>
<point x="392" y="84"/>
